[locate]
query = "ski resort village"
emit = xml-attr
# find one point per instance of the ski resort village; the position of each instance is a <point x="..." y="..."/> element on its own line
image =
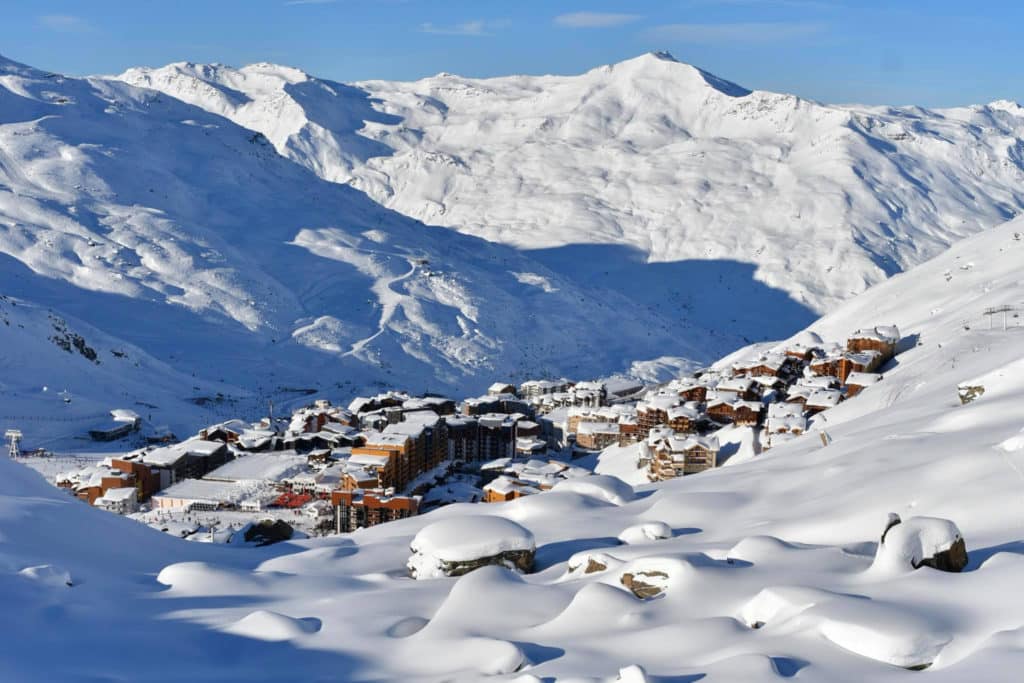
<point x="330" y="469"/>
<point x="637" y="375"/>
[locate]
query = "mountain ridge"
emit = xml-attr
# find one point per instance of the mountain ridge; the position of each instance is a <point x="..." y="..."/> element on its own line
<point x="824" y="200"/>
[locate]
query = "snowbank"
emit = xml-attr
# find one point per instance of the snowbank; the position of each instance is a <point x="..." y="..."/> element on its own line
<point x="601" y="486"/>
<point x="645" y="533"/>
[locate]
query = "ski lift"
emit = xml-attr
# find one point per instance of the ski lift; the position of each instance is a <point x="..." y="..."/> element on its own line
<point x="66" y="395"/>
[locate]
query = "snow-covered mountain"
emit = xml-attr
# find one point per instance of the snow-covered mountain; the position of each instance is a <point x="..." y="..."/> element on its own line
<point x="174" y="229"/>
<point x="645" y="161"/>
<point x="769" y="573"/>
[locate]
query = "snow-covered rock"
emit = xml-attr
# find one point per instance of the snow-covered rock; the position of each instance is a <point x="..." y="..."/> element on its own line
<point x="456" y="546"/>
<point x="921" y="542"/>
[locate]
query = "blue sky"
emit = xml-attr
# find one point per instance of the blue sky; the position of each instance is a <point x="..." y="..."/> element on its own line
<point x="928" y="52"/>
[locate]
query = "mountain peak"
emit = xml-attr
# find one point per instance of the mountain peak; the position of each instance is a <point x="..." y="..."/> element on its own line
<point x="677" y="70"/>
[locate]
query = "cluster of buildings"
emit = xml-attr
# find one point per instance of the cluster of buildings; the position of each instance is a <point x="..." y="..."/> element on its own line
<point x="377" y="459"/>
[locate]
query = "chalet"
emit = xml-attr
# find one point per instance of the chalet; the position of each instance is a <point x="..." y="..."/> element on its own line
<point x="695" y="390"/>
<point x="225" y="432"/>
<point x="358" y="509"/>
<point x="785" y="424"/>
<point x="826" y="366"/>
<point x="506" y="488"/>
<point x="859" y="361"/>
<point x="768" y="365"/>
<point x="742" y="387"/>
<point x="391" y="399"/>
<point x="676" y="456"/>
<point x="735" y="411"/>
<point x="798" y="393"/>
<point x="501" y="388"/>
<point x="629" y="429"/>
<point x="822" y="399"/>
<point x="684" y="418"/>
<point x="857" y="381"/>
<point x="597" y="435"/>
<point x="653" y="411"/>
<point x="883" y="338"/>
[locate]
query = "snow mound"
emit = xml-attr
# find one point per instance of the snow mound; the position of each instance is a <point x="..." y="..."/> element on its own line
<point x="907" y="544"/>
<point x="886" y="633"/>
<point x="443" y="547"/>
<point x="601" y="486"/>
<point x="777" y="604"/>
<point x="596" y="608"/>
<point x="48" y="575"/>
<point x="272" y="626"/>
<point x="202" y="578"/>
<point x="645" y="533"/>
<point x="1014" y="443"/>
<point x="880" y="631"/>
<point x="758" y="549"/>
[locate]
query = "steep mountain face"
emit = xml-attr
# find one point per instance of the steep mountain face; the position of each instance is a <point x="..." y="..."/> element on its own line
<point x="770" y="571"/>
<point x="655" y="160"/>
<point x="176" y="230"/>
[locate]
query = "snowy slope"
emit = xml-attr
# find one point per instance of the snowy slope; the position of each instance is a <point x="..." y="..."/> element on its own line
<point x="47" y="357"/>
<point x="653" y="160"/>
<point x="786" y="539"/>
<point x="180" y="232"/>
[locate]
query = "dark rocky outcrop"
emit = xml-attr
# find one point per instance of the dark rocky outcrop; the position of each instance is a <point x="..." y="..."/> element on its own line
<point x="268" y="531"/>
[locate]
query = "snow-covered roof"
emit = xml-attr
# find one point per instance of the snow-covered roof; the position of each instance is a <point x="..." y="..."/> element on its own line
<point x="368" y="460"/>
<point x="273" y="466"/>
<point x="863" y="379"/>
<point x="824" y="398"/>
<point x="205" y="491"/>
<point x="169" y="455"/>
<point x="597" y="428"/>
<point x="121" y="494"/>
<point x="884" y="333"/>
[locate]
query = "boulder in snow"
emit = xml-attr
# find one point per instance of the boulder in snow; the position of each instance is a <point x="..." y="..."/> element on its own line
<point x="458" y="545"/>
<point x="921" y="542"/>
<point x="969" y="392"/>
<point x="591" y="562"/>
<point x="268" y="531"/>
